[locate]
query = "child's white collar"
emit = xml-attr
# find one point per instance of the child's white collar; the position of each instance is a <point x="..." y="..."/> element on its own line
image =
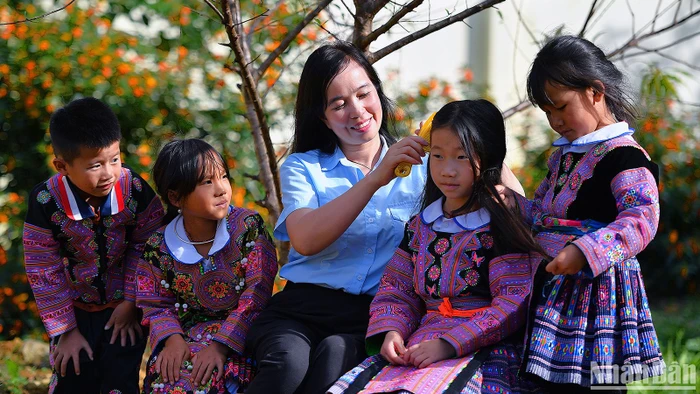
<point x="585" y="143"/>
<point x="469" y="221"/>
<point x="186" y="253"/>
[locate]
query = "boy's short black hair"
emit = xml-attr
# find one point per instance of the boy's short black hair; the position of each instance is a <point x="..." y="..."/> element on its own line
<point x="83" y="123"/>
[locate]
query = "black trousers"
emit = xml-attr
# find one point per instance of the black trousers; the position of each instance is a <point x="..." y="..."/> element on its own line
<point x="306" y="338"/>
<point x="113" y="367"/>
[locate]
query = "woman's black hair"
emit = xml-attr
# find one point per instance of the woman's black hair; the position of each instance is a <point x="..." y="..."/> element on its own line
<point x="181" y="165"/>
<point x="322" y="66"/>
<point x="576" y="63"/>
<point x="480" y="128"/>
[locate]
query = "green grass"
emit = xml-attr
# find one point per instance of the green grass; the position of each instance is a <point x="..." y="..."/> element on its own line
<point x="677" y="324"/>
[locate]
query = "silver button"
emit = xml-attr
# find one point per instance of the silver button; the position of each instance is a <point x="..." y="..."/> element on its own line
<point x="369" y="250"/>
<point x="359" y="277"/>
<point x="371" y="220"/>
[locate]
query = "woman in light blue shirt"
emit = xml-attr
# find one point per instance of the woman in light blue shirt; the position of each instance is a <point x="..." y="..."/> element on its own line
<point x="344" y="213"/>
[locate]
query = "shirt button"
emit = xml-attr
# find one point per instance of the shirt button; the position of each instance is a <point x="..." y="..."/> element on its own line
<point x="369" y="250"/>
<point x="371" y="220"/>
<point x="359" y="277"/>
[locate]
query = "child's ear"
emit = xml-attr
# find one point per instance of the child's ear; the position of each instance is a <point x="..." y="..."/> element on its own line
<point x="60" y="165"/>
<point x="598" y="94"/>
<point x="173" y="198"/>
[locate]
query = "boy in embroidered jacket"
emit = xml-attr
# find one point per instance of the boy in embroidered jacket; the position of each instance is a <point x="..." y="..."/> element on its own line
<point x="84" y="232"/>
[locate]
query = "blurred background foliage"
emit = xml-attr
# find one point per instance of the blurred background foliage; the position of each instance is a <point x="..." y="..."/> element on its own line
<point x="159" y="66"/>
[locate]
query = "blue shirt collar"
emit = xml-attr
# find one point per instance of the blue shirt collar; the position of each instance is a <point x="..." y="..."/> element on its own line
<point x="434" y="216"/>
<point x="586" y="142"/>
<point x="186" y="253"/>
<point x="329" y="162"/>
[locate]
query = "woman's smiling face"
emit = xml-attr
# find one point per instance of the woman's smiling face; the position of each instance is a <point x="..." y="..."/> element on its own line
<point x="353" y="109"/>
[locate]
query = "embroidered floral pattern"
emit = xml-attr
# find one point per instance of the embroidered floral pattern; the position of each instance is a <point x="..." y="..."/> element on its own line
<point x="600" y="149"/>
<point x="441" y="246"/>
<point x="218" y="289"/>
<point x="43" y="197"/>
<point x="486" y="241"/>
<point x="472" y="278"/>
<point x="182" y="283"/>
<point x="434" y="273"/>
<point x="137" y="184"/>
<point x="568" y="161"/>
<point x="561" y="181"/>
<point x="575" y="181"/>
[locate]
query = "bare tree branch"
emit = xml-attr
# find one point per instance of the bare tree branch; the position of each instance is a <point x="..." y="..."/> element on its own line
<point x="634" y="18"/>
<point x="374" y="56"/>
<point x="365" y="11"/>
<point x="516" y="108"/>
<point x="289" y="38"/>
<point x="634" y="42"/>
<point x="38" y="17"/>
<point x="261" y="133"/>
<point x="674" y="59"/>
<point x="396" y="18"/>
<point x="644" y="51"/>
<point x="588" y="18"/>
<point x="213" y="7"/>
<point x="522" y="22"/>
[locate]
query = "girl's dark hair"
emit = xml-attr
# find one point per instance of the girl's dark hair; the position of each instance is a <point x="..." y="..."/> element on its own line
<point x="576" y="63"/>
<point x="181" y="165"/>
<point x="324" y="64"/>
<point x="481" y="131"/>
<point x="83" y="123"/>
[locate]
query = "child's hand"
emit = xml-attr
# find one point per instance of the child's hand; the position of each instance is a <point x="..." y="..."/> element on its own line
<point x="69" y="346"/>
<point x="214" y="356"/>
<point x="568" y="262"/>
<point x="393" y="348"/>
<point x="509" y="180"/>
<point x="428" y="352"/>
<point x="125" y="322"/>
<point x="507" y="195"/>
<point x="170" y="359"/>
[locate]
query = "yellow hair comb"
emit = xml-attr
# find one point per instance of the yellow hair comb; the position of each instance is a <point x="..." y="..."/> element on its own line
<point x="403" y="169"/>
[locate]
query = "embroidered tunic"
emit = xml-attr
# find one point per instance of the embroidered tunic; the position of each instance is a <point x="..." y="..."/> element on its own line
<point x="601" y="195"/>
<point x="205" y="300"/>
<point x="444" y="265"/>
<point x="76" y="256"/>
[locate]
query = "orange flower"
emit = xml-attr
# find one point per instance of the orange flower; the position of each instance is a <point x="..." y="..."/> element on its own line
<point x="123" y="68"/>
<point x="133" y="81"/>
<point x="145" y="175"/>
<point x="77" y="32"/>
<point x="424" y="91"/>
<point x="31" y="65"/>
<point x="44" y="45"/>
<point x="181" y="52"/>
<point x="433" y="83"/>
<point x="4" y="69"/>
<point x="151" y="82"/>
<point x="107" y="72"/>
<point x="468" y="75"/>
<point x="673" y="236"/>
<point x="3" y="92"/>
<point x="138" y="92"/>
<point x="447" y="91"/>
<point x="311" y="35"/>
<point x="145" y="161"/>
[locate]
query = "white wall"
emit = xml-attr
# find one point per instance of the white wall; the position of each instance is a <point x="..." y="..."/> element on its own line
<point x="504" y="61"/>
